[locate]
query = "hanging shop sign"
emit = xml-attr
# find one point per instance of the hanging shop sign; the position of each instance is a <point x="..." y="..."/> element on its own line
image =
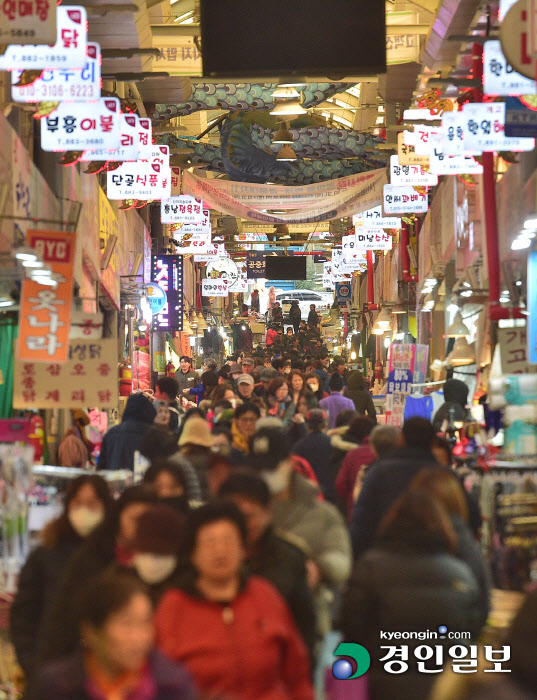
<point x="202" y="227"/>
<point x="155" y="154"/>
<point x="139" y="180"/>
<point x="373" y="239"/>
<point x="223" y="268"/>
<point x="314" y="203"/>
<point x="402" y="175"/>
<point x="407" y="153"/>
<point x="167" y="273"/>
<point x="404" y="200"/>
<point x="156" y="297"/>
<point x="256" y="265"/>
<point x="62" y="84"/>
<point x="74" y="126"/>
<point x="215" y="249"/>
<point x="514" y="350"/>
<point x="192" y="243"/>
<point x="128" y="149"/>
<point x="484" y="129"/>
<point x="214" y="287"/>
<point x="85" y="325"/>
<point x="517" y="37"/>
<point x="241" y="285"/>
<point x="499" y="76"/>
<point x="520" y="120"/>
<point x="372" y="218"/>
<point x="45" y="313"/>
<point x="327" y="276"/>
<point x="70" y="48"/>
<point x="28" y="22"/>
<point x="181" y="209"/>
<point x="88" y="377"/>
<point x="420" y="138"/>
<point x="453" y="124"/>
<point x="442" y="164"/>
<point x="343" y="293"/>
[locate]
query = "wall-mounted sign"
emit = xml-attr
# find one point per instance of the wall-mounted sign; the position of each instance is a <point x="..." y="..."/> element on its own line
<point x="404" y="200"/>
<point x="70" y="48"/>
<point x="484" y="129"/>
<point x="181" y="209"/>
<point x="401" y="175"/>
<point x="128" y="138"/>
<point x="156" y="297"/>
<point x="88" y="378"/>
<point x="372" y="218"/>
<point x="499" y="77"/>
<point x="29" y="22"/>
<point x="75" y="126"/>
<point x="62" y="84"/>
<point x="45" y="313"/>
<point x="373" y="239"/>
<point x="139" y="180"/>
<point x="167" y="273"/>
<point x="214" y="288"/>
<point x="442" y="164"/>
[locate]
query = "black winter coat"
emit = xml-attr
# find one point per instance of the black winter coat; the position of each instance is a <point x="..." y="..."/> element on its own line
<point x="407" y="586"/>
<point x="37" y="590"/>
<point x="316" y="448"/>
<point x="357" y="392"/>
<point x="386" y="479"/>
<point x="66" y="680"/>
<point x="281" y="563"/>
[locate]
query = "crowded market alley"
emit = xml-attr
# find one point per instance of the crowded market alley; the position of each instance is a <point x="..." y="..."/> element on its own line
<point x="268" y="359"/>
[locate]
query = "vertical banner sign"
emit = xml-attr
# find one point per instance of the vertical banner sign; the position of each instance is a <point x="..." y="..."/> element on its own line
<point x="45" y="313"/>
<point x="400" y="378"/>
<point x="343" y="293"/>
<point x="532" y="304"/>
<point x="167" y="272"/>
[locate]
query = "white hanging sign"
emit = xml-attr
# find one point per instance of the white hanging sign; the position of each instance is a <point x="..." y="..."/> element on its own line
<point x="404" y="200"/>
<point x="453" y="133"/>
<point x="372" y="218"/>
<point x="70" y="48"/>
<point x="407" y="153"/>
<point x="156" y="154"/>
<point x="176" y="181"/>
<point x="373" y="239"/>
<point x="214" y="287"/>
<point x="128" y="149"/>
<point x="214" y="250"/>
<point x="138" y="180"/>
<point x="203" y="226"/>
<point x="75" y="126"/>
<point x="192" y="243"/>
<point x="484" y="129"/>
<point x="499" y="77"/>
<point x="62" y="84"/>
<point x="27" y="22"/>
<point x="181" y="209"/>
<point x="401" y="175"/>
<point x="442" y="164"/>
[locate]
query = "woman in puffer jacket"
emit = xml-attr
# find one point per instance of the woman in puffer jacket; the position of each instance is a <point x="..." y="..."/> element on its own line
<point x="410" y="581"/>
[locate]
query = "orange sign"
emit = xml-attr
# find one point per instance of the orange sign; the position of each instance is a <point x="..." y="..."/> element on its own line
<point x="45" y="313"/>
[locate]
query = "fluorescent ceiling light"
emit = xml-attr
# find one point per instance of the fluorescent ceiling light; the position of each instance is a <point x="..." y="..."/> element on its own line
<point x="530" y="223"/>
<point x="25" y="253"/>
<point x="520" y="243"/>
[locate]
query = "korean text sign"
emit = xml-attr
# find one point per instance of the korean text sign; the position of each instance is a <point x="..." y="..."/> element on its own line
<point x="69" y="51"/>
<point x="167" y="272"/>
<point x="63" y="84"/>
<point x="88" y="378"/>
<point x="74" y="126"/>
<point x="28" y="22"/>
<point x="181" y="209"/>
<point x="214" y="287"/>
<point x="401" y="200"/>
<point x="45" y="314"/>
<point x="139" y="180"/>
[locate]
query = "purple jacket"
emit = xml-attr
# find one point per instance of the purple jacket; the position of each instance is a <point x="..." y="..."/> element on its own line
<point x="66" y="679"/>
<point x="334" y="404"/>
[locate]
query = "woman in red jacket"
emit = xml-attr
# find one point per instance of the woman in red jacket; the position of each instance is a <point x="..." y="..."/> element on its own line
<point x="234" y="633"/>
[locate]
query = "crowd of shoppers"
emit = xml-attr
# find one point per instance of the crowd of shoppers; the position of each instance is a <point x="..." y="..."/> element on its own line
<point x="273" y="511"/>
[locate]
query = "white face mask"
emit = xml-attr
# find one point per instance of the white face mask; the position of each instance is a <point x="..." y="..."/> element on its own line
<point x="154" y="568"/>
<point x="278" y="480"/>
<point x="83" y="520"/>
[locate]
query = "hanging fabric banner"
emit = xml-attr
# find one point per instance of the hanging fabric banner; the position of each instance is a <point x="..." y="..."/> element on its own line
<point x="320" y="202"/>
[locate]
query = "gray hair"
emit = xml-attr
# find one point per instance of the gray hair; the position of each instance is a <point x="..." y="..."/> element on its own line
<point x="384" y="438"/>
